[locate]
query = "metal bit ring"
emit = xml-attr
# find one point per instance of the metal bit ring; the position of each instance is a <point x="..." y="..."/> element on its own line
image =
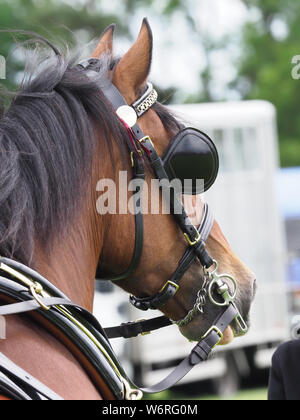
<point x="222" y="289"/>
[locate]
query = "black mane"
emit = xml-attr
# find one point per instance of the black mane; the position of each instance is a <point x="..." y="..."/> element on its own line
<point x="47" y="141"/>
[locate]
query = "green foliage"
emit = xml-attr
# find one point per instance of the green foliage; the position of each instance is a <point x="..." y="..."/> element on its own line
<point x="56" y="21"/>
<point x="265" y="68"/>
<point x="269" y="41"/>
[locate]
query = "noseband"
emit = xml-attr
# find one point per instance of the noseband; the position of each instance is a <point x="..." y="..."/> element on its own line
<point x="30" y="292"/>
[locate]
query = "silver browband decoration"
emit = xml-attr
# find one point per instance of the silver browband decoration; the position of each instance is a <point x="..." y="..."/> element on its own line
<point x="146" y="101"/>
<point x="130" y="114"/>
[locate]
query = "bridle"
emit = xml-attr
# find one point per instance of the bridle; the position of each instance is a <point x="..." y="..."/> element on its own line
<point x="141" y="145"/>
<point x="30" y="292"/>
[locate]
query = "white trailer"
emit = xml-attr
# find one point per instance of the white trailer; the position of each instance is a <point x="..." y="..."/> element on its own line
<point x="245" y="204"/>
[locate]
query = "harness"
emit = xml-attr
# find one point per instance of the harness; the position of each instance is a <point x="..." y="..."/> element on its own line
<point x="25" y="291"/>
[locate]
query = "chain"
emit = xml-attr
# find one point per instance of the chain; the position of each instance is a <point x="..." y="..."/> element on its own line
<point x="199" y="304"/>
<point x="215" y="285"/>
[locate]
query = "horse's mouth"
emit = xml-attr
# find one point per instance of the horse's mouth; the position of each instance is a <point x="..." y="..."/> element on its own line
<point x="234" y="331"/>
<point x="231" y="332"/>
<point x="228" y="336"/>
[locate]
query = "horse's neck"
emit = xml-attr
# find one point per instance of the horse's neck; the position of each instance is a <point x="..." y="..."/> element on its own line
<point x="70" y="265"/>
<point x="46" y="358"/>
<point x="72" y="262"/>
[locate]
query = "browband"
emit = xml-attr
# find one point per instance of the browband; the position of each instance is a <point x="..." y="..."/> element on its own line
<point x="140" y="106"/>
<point x="146" y="101"/>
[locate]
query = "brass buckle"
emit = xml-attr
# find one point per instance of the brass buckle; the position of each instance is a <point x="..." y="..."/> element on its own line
<point x="131" y="393"/>
<point x="131" y="158"/>
<point x="34" y="287"/>
<point x="140" y="152"/>
<point x="146" y="138"/>
<point x="145" y="332"/>
<point x="216" y="330"/>
<point x="240" y="321"/>
<point x="190" y="242"/>
<point x="172" y="283"/>
<point x="37" y="289"/>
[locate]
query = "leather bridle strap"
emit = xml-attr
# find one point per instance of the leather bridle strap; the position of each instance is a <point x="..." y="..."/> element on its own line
<point x="176" y="207"/>
<point x="134" y="328"/>
<point x="117" y="102"/>
<point x="170" y="288"/>
<point x="196" y="238"/>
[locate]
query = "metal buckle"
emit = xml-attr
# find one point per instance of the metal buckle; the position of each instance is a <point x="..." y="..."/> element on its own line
<point x="145" y="332"/>
<point x="146" y="138"/>
<point x="131" y="159"/>
<point x="190" y="242"/>
<point x="240" y="320"/>
<point x="131" y="393"/>
<point x="216" y="330"/>
<point x="172" y="284"/>
<point x="35" y="289"/>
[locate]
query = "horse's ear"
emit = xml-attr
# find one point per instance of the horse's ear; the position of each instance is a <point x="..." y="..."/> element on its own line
<point x="133" y="69"/>
<point x="105" y="43"/>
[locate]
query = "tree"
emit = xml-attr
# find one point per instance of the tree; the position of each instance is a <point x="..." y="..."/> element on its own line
<point x="270" y="42"/>
<point x="56" y="21"/>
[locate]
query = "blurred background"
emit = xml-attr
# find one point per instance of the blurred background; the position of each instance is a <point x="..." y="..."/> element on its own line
<point x="232" y="67"/>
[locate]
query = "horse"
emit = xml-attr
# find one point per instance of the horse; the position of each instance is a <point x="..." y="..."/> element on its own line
<point x="58" y="138"/>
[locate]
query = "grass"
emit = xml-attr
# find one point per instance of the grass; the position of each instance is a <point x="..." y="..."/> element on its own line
<point x="259" y="394"/>
<point x="245" y="395"/>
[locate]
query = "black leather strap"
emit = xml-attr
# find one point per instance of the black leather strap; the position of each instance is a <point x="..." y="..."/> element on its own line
<point x="116" y="100"/>
<point x="138" y="173"/>
<point x="199" y="354"/>
<point x="135" y="328"/>
<point x="156" y="301"/>
<point x="54" y="291"/>
<point x="177" y="208"/>
<point x="161" y="298"/>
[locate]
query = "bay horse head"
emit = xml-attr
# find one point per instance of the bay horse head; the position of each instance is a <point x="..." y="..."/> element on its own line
<point x="63" y="134"/>
<point x="163" y="244"/>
